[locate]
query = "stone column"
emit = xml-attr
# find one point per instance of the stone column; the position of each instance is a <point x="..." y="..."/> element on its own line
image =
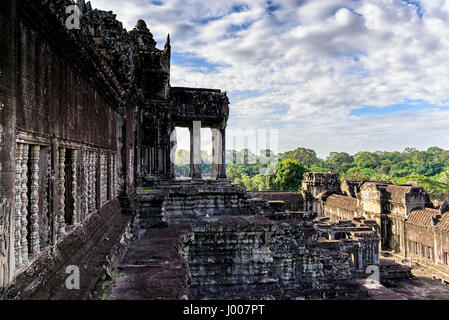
<point x="88" y="181"/>
<point x="24" y="202"/>
<point x="74" y="187"/>
<point x="173" y="150"/>
<point x="222" y="165"/>
<point x="54" y="190"/>
<point x="92" y="178"/>
<point x="61" y="218"/>
<point x="45" y="240"/>
<point x="34" y="198"/>
<point x="86" y="184"/>
<point x="18" y="219"/>
<point x="129" y="152"/>
<point x="217" y="152"/>
<point x="105" y="178"/>
<point x="101" y="178"/>
<point x="114" y="177"/>
<point x="195" y="150"/>
<point x="97" y="173"/>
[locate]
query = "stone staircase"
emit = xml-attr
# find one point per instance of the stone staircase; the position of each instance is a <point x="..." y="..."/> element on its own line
<point x="392" y="272"/>
<point x="151" y="214"/>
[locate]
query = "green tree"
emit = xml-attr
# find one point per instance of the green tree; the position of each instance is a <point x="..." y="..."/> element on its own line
<point x="233" y="173"/>
<point x="290" y="174"/>
<point x="182" y="162"/>
<point x="264" y="183"/>
<point x="437" y="189"/>
<point x="366" y="160"/>
<point x="430" y="169"/>
<point x="356" y="176"/>
<point x="339" y="161"/>
<point x="306" y="156"/>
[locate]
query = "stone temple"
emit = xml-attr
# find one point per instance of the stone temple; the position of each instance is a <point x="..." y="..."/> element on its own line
<point x="87" y="132"/>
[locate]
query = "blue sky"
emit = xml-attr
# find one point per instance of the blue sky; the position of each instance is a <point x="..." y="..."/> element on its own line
<point x="331" y="75"/>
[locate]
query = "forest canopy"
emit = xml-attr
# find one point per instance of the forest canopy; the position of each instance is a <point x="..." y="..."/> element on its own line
<point x="267" y="171"/>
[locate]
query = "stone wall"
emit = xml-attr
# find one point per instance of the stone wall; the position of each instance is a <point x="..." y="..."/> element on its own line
<point x="8" y="107"/>
<point x="57" y="100"/>
<point x="60" y="158"/>
<point x="185" y="202"/>
<point x="259" y="258"/>
<point x="428" y="239"/>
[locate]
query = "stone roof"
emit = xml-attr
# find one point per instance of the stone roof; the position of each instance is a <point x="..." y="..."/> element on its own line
<point x="292" y="200"/>
<point x="278" y="195"/>
<point x="343" y="202"/>
<point x="396" y="193"/>
<point x="422" y="217"/>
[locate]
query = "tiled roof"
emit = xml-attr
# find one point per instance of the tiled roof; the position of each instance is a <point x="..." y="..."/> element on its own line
<point x="396" y="193"/>
<point x="422" y="217"/>
<point x="443" y="224"/>
<point x="343" y="202"/>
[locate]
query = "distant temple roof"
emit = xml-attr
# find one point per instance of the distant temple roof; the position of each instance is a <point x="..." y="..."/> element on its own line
<point x="343" y="202"/>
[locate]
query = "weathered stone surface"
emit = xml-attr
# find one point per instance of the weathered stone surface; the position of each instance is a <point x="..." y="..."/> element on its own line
<point x="154" y="267"/>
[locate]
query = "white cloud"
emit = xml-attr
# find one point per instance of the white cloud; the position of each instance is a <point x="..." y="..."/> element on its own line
<point x="318" y="58"/>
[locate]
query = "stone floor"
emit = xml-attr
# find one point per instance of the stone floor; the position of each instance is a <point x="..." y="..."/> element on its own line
<point x="421" y="286"/>
<point x="153" y="267"/>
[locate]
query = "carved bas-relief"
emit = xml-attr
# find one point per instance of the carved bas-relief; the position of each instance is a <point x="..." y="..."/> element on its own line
<point x="6" y="214"/>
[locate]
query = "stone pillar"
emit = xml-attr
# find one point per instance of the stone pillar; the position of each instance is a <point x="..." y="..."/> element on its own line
<point x="34" y="198"/>
<point x="74" y="188"/>
<point x="217" y="152"/>
<point x="436" y="257"/>
<point x="92" y="181"/>
<point x="129" y="152"/>
<point x="195" y="150"/>
<point x="101" y="179"/>
<point x="86" y="188"/>
<point x="89" y="190"/>
<point x="173" y="150"/>
<point x="222" y="165"/>
<point x="98" y="183"/>
<point x="46" y="238"/>
<point x="114" y="177"/>
<point x="405" y="238"/>
<point x="24" y="202"/>
<point x="360" y="256"/>
<point x="61" y="218"/>
<point x="54" y="190"/>
<point x="18" y="219"/>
